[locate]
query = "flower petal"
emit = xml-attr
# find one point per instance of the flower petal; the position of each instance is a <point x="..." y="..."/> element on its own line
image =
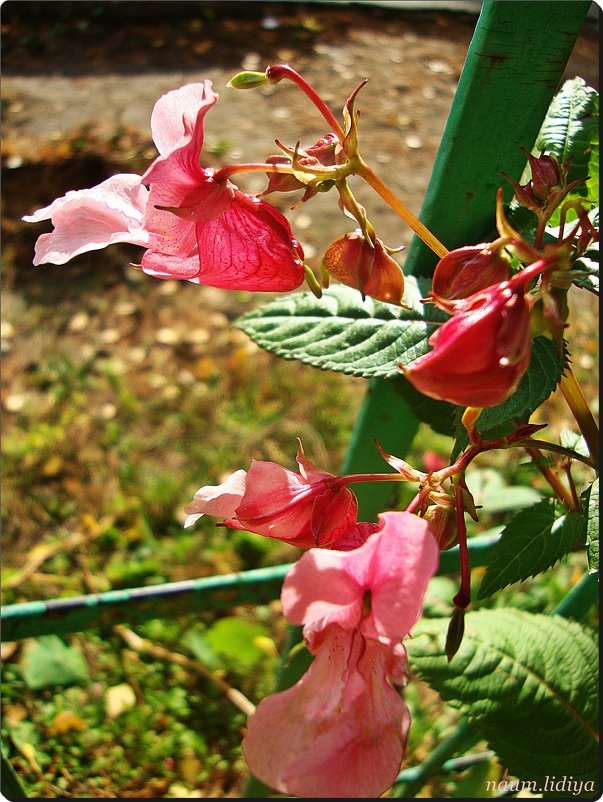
<point x="250" y="247"/>
<point x="90" y="219"/>
<point x="220" y="500"/>
<point x="176" y="115"/>
<point x="340" y="731"/>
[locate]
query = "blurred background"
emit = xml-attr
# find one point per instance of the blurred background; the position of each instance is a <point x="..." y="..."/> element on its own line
<point x="122" y="394"/>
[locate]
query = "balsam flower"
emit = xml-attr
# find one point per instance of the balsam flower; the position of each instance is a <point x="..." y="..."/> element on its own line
<point x="194" y="226"/>
<point x="341" y="730"/>
<point x="465" y="271"/>
<point x="306" y="508"/>
<point x="480" y="355"/>
<point x="208" y="230"/>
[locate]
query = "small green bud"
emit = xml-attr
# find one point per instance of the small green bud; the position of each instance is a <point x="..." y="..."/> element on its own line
<point x="247" y="80"/>
<point x="456" y="629"/>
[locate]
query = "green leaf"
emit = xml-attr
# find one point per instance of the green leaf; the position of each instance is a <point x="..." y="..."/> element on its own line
<point x="48" y="661"/>
<point x="342" y="332"/>
<point x="235" y="639"/>
<point x="541" y="378"/>
<point x="592" y="528"/>
<point x="528" y="681"/>
<point x="530" y="543"/>
<point x="571" y="128"/>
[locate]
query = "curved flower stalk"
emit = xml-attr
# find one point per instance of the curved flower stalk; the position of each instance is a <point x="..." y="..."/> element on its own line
<point x="307" y="508"/>
<point x="341" y="731"/>
<point x="195" y="226"/>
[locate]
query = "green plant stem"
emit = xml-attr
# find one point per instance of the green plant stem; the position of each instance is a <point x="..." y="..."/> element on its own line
<point x="572" y="392"/>
<point x="400" y="208"/>
<point x="561" y="491"/>
<point x="462" y="739"/>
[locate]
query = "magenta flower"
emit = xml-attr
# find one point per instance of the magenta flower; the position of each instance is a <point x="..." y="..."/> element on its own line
<point x="210" y="231"/>
<point x="306" y="508"/>
<point x="341" y="730"/>
<point x="194" y="226"/>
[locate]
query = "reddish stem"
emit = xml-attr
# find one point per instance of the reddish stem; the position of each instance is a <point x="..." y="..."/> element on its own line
<point x="279" y="71"/>
<point x="463" y="597"/>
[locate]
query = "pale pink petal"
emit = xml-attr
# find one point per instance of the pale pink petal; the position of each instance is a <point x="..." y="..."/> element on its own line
<point x="405" y="557"/>
<point x="176" y="114"/>
<point x="340" y="732"/>
<point x="90" y="219"/>
<point x="318" y="591"/>
<point x="171" y="235"/>
<point x="220" y="500"/>
<point x="388" y="574"/>
<point x="160" y="265"/>
<point x="250" y="247"/>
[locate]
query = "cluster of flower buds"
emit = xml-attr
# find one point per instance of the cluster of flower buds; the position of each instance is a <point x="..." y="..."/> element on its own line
<point x="547" y="187"/>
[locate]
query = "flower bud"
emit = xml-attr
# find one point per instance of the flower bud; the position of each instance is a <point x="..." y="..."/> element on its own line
<point x="481" y="353"/>
<point x="465" y="271"/>
<point x="366" y="267"/>
<point x="247" y="80"/>
<point x="442" y="525"/>
<point x="546" y="175"/>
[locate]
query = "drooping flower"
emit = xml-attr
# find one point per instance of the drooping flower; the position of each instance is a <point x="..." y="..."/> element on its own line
<point x="230" y="239"/>
<point x="194" y="226"/>
<point x="365" y="267"/>
<point x="341" y="730"/>
<point x="480" y="355"/>
<point x="307" y="508"/>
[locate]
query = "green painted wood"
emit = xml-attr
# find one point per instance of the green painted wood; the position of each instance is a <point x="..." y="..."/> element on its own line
<point x="386" y="418"/>
<point x="133" y="606"/>
<point x="513" y="68"/>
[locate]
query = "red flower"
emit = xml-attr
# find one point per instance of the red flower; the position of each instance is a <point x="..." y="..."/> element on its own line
<point x="481" y="353"/>
<point x="465" y="271"/>
<point x="208" y="231"/>
<point x="308" y="508"/>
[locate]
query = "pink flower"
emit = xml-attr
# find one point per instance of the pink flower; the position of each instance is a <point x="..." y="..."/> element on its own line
<point x="480" y="354"/>
<point x="194" y="226"/>
<point x="90" y="219"/>
<point x="341" y="730"/>
<point x="209" y="230"/>
<point x="308" y="508"/>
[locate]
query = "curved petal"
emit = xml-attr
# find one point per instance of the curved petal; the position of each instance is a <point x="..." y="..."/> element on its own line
<point x="250" y="247"/>
<point x="161" y="265"/>
<point x="220" y="500"/>
<point x="177" y="113"/>
<point x="405" y="556"/>
<point x="340" y="732"/>
<point x="90" y="219"/>
<point x="318" y="591"/>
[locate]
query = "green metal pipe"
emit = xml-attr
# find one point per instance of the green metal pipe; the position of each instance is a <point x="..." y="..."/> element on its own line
<point x="132" y="606"/>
